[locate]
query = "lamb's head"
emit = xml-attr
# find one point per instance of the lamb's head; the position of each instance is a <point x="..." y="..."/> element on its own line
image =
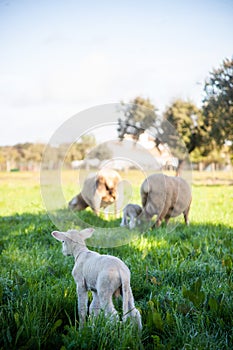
<point x="72" y="239"/>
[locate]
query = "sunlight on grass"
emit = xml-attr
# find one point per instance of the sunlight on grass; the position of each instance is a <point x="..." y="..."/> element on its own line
<point x="148" y="244"/>
<point x="181" y="279"/>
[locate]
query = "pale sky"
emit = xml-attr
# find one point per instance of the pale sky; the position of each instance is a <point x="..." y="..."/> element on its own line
<point x="58" y="58"/>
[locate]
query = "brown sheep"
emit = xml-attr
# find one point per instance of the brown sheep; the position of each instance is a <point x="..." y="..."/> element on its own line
<point x="166" y="197"/>
<point x="99" y="191"/>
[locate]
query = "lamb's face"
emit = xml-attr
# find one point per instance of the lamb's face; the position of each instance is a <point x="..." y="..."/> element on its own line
<point x="67" y="247"/>
<point x="72" y="239"/>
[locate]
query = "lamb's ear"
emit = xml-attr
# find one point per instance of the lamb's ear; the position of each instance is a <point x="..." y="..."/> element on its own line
<point x="86" y="233"/>
<point x="60" y="236"/>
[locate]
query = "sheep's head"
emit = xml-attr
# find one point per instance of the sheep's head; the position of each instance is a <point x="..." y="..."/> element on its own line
<point x="73" y="202"/>
<point x="71" y="239"/>
<point x="77" y="203"/>
<point x="106" y="186"/>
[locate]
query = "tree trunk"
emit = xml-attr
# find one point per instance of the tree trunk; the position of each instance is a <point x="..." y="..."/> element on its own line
<point x="200" y="166"/>
<point x="180" y="167"/>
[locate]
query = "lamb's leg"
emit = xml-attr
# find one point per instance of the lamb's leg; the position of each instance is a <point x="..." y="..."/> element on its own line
<point x="82" y="304"/>
<point x="106" y="304"/>
<point x="124" y="220"/>
<point x="133" y="312"/>
<point x="132" y="221"/>
<point x="95" y="304"/>
<point x="129" y="309"/>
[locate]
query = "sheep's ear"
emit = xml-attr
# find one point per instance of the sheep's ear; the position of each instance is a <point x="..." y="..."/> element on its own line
<point x="86" y="233"/>
<point x="60" y="236"/>
<point x="100" y="179"/>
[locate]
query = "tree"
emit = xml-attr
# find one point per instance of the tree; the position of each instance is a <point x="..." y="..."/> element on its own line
<point x="85" y="144"/>
<point x="218" y="105"/>
<point x="187" y="119"/>
<point x="178" y="123"/>
<point x="80" y="149"/>
<point x="139" y="115"/>
<point x="101" y="152"/>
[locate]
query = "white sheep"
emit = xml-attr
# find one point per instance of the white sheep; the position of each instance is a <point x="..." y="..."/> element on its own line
<point x="104" y="275"/>
<point x="166" y="197"/>
<point x="131" y="212"/>
<point x="99" y="191"/>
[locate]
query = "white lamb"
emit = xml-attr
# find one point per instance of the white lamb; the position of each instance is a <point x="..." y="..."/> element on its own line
<point x="131" y="212"/>
<point x="104" y="275"/>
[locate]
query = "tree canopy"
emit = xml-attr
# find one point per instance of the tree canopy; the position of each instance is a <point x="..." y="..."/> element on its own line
<point x="187" y="119"/>
<point x="204" y="131"/>
<point x="218" y="104"/>
<point x="101" y="152"/>
<point x="139" y="115"/>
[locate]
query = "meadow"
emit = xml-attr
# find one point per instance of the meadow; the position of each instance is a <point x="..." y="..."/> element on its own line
<point x="182" y="280"/>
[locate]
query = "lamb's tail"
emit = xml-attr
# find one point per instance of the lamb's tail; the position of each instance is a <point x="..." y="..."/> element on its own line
<point x="129" y="309"/>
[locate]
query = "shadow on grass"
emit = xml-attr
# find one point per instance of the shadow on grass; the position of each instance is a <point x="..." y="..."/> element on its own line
<point x="27" y="229"/>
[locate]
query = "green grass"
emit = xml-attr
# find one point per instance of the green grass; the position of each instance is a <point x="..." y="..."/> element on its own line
<point x="181" y="280"/>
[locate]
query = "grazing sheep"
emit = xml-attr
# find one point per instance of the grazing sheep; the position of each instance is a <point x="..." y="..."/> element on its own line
<point x="99" y="191"/>
<point x="132" y="212"/>
<point x="165" y="196"/>
<point x="104" y="275"/>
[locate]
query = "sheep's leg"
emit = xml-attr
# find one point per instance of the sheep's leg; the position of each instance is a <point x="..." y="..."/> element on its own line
<point x="106" y="213"/>
<point x="96" y="203"/>
<point x="161" y="216"/>
<point x="119" y="199"/>
<point x="82" y="304"/>
<point x="186" y="214"/>
<point x="95" y="304"/>
<point x="144" y="197"/>
<point x="117" y="208"/>
<point x="167" y="218"/>
<point x="96" y="211"/>
<point x="158" y="222"/>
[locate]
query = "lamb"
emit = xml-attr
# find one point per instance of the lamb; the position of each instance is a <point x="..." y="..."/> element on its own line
<point x="104" y="275"/>
<point x="165" y="196"/>
<point x="132" y="212"/>
<point x="99" y="191"/>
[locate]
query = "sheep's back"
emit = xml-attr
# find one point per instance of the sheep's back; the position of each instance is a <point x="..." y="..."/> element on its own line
<point x="154" y="193"/>
<point x="162" y="193"/>
<point x="181" y="195"/>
